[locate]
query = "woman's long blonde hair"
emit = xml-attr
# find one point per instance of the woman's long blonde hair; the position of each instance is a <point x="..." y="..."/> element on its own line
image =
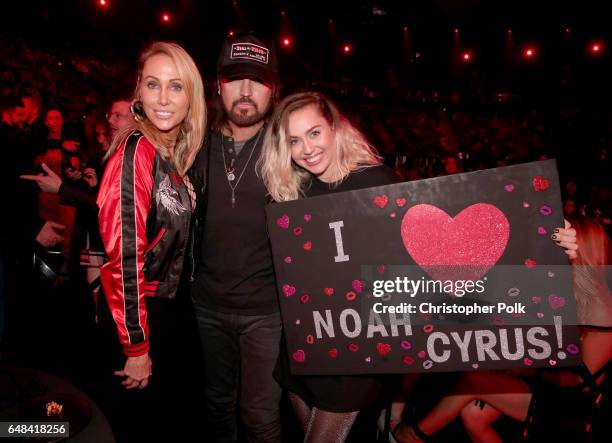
<point x="191" y="133"/>
<point x="284" y="179"/>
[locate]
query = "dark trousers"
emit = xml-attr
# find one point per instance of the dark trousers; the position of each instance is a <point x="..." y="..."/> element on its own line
<point x="240" y="353"/>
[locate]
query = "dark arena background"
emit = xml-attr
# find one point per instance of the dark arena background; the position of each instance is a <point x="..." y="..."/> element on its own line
<point x="439" y="87"/>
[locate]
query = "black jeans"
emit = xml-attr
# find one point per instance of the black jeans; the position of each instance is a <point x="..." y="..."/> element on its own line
<point x="240" y="352"/>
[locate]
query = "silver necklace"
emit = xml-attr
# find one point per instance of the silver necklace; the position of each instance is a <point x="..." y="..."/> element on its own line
<point x="229" y="173"/>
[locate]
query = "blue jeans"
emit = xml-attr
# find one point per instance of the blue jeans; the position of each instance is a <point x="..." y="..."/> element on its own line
<point x="240" y="353"/>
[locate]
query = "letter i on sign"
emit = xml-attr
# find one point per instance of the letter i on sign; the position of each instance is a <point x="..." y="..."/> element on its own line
<point x="337" y="228"/>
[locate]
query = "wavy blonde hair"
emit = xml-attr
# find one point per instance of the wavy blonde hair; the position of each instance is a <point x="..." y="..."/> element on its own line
<point x="284" y="179"/>
<point x="191" y="132"/>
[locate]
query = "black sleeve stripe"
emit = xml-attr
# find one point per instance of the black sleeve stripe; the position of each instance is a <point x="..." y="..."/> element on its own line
<point x="129" y="235"/>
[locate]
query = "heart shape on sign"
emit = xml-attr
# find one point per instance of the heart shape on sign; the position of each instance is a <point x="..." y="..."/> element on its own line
<point x="556" y="301"/>
<point x="381" y="201"/>
<point x="333" y="353"/>
<point x="540" y="184"/>
<point x="299" y="356"/>
<point x="383" y="349"/>
<point x="461" y="248"/>
<point x="288" y="290"/>
<point x="283" y="222"/>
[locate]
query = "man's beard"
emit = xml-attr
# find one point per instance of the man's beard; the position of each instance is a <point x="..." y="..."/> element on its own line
<point x="243" y="119"/>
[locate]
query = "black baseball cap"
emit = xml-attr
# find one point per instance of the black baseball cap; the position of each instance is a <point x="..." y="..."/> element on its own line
<point x="248" y="55"/>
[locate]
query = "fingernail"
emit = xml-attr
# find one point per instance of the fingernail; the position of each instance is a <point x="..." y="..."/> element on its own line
<point x="554" y="236"/>
<point x="556" y="230"/>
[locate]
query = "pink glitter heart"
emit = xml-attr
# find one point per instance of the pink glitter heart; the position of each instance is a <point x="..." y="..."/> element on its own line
<point x="509" y="188"/>
<point x="357" y="286"/>
<point x="299" y="356"/>
<point x="381" y="201"/>
<point x="536" y="300"/>
<point x="474" y="239"/>
<point x="422" y="354"/>
<point x="540" y="184"/>
<point x="328" y="291"/>
<point x="307" y="217"/>
<point x="333" y="353"/>
<point x="400" y="202"/>
<point x="542" y="230"/>
<point x="287" y="260"/>
<point x="283" y="222"/>
<point x="527" y="361"/>
<point x="307" y="246"/>
<point x="530" y="263"/>
<point x="288" y="290"/>
<point x="556" y="301"/>
<point x="383" y="349"/>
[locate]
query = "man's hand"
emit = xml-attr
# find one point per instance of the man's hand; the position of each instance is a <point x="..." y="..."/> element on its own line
<point x="47" y="183"/>
<point x="49" y="234"/>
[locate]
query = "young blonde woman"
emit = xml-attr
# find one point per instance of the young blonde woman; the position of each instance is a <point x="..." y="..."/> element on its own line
<point x="312" y="149"/>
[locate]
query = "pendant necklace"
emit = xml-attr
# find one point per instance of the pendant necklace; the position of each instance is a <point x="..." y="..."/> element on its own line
<point x="230" y="173"/>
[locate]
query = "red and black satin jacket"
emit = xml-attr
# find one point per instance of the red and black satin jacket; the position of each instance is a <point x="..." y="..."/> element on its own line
<point x="144" y="217"/>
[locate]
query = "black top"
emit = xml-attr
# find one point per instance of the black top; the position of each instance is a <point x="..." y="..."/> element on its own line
<point x="336" y="393"/>
<point x="235" y="273"/>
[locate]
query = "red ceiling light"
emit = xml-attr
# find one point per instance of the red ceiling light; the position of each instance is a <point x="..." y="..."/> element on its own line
<point x="231" y="33"/>
<point x="466" y="56"/>
<point x="529" y="53"/>
<point x="165" y="17"/>
<point x="102" y="3"/>
<point x="347" y="48"/>
<point x="596" y="48"/>
<point x="286" y="42"/>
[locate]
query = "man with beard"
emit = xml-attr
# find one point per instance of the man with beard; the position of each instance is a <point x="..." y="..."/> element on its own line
<point x="233" y="287"/>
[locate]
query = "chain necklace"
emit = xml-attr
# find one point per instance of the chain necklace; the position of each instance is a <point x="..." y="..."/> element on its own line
<point x="229" y="173"/>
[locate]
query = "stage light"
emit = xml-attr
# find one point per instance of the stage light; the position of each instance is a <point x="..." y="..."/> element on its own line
<point x="466" y="56"/>
<point x="286" y="42"/>
<point x="456" y="30"/>
<point x="596" y="48"/>
<point x="102" y="3"/>
<point x="529" y="53"/>
<point x="568" y="30"/>
<point x="165" y="17"/>
<point x="231" y="33"/>
<point x="347" y="48"/>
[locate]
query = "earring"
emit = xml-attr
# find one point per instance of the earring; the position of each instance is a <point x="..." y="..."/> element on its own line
<point x="137" y="110"/>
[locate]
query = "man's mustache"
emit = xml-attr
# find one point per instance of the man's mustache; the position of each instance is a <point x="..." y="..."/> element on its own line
<point x="244" y="100"/>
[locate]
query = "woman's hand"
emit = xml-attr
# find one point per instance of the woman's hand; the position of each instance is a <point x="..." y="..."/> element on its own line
<point x="137" y="371"/>
<point x="566" y="238"/>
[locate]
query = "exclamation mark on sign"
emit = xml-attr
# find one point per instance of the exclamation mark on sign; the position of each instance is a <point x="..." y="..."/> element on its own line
<point x="559" y="330"/>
